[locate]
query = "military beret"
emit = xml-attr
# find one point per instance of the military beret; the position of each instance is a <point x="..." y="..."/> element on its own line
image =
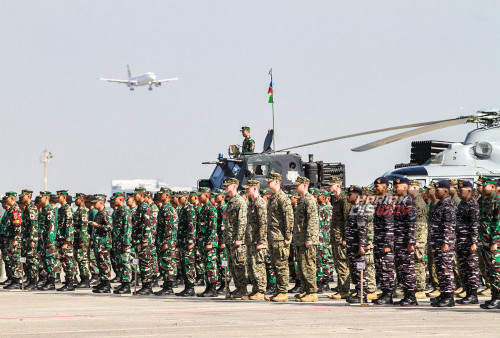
<point x="355" y="189"/>
<point x="381" y="180"/>
<point x="301" y="180"/>
<point x="26" y="192"/>
<point x="156" y="196"/>
<point x="245" y="128"/>
<point x="11" y="194"/>
<point x="53" y="198"/>
<point x="61" y="192"/>
<point x="140" y="190"/>
<point x="204" y="190"/>
<point x="165" y="190"/>
<point x="414" y="183"/>
<point x="45" y="193"/>
<point x="465" y="184"/>
<point x="402" y="180"/>
<point x="89" y="198"/>
<point x="442" y="184"/>
<point x="489" y="180"/>
<point x="230" y="180"/>
<point x="251" y="183"/>
<point x="334" y="180"/>
<point x="453" y="181"/>
<point x="273" y="177"/>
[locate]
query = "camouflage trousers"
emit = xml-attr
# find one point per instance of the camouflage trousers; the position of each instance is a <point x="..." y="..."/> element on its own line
<point x="154" y="255"/>
<point x="187" y="259"/>
<point x="168" y="264"/>
<point x="306" y="267"/>
<point x="237" y="265"/>
<point x="492" y="262"/>
<point x="482" y="267"/>
<point x="199" y="258"/>
<point x="94" y="270"/>
<point x="421" y="267"/>
<point x="323" y="267"/>
<point x="103" y="259"/>
<point x="456" y="270"/>
<point x="257" y="268"/>
<point x="14" y="253"/>
<point x="292" y="261"/>
<point x="222" y="256"/>
<point x="341" y="266"/>
<point x="82" y="258"/>
<point x="210" y="264"/>
<point x="146" y="263"/>
<point x="32" y="261"/>
<point x="431" y="266"/>
<point x="50" y="260"/>
<point x="370" y="270"/>
<point x="279" y="259"/>
<point x="115" y="252"/>
<point x="270" y="272"/>
<point x="469" y="266"/>
<point x="444" y="268"/>
<point x="123" y="265"/>
<point x="384" y="266"/>
<point x="354" y="258"/>
<point x="4" y="242"/>
<point x="404" y="262"/>
<point x="67" y="260"/>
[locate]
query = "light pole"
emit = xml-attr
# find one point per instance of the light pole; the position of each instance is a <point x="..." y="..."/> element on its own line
<point x="46" y="156"/>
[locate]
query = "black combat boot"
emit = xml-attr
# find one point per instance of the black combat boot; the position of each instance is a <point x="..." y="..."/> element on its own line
<point x="94" y="280"/>
<point x="494" y="302"/>
<point x="385" y="299"/>
<point x="447" y="301"/>
<point x="325" y="285"/>
<point x="123" y="289"/>
<point x="14" y="285"/>
<point x="210" y="291"/>
<point x="41" y="282"/>
<point x="105" y="287"/>
<point x="58" y="278"/>
<point x="271" y="289"/>
<point x="166" y="290"/>
<point x="49" y="285"/>
<point x="145" y="290"/>
<point x="6" y="282"/>
<point x="354" y="300"/>
<point x="438" y="298"/>
<point x="31" y="285"/>
<point x="297" y="288"/>
<point x="115" y="280"/>
<point x="200" y="281"/>
<point x="68" y="286"/>
<point x="202" y="293"/>
<point x="409" y="299"/>
<point x="188" y="291"/>
<point x="222" y="288"/>
<point x="84" y="283"/>
<point x="471" y="298"/>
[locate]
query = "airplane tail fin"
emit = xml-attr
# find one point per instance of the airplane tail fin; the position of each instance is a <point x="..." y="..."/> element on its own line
<point x="128" y="71"/>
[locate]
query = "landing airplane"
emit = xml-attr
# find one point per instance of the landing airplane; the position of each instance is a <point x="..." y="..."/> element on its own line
<point x="147" y="79"/>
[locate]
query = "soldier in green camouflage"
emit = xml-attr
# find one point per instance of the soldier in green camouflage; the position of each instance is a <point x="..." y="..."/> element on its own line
<point x="81" y="241"/>
<point x="208" y="241"/>
<point x="248" y="146"/>
<point x="48" y="228"/>
<point x="65" y="238"/>
<point x="154" y="231"/>
<point x="279" y="228"/>
<point x="224" y="272"/>
<point x="256" y="241"/>
<point x="29" y="238"/>
<point x="94" y="271"/>
<point x="234" y="237"/>
<point x="4" y="241"/>
<point x="306" y="239"/>
<point x="13" y="234"/>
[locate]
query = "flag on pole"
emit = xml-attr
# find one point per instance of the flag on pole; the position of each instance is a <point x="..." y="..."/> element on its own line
<point x="271" y="89"/>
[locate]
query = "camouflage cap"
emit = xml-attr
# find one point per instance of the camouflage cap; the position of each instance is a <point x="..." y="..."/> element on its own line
<point x="273" y="177"/>
<point x="118" y="194"/>
<point x="79" y="195"/>
<point x="230" y="180"/>
<point x="324" y="192"/>
<point x="480" y="180"/>
<point x="26" y="192"/>
<point x="314" y="191"/>
<point x="11" y="194"/>
<point x="98" y="197"/>
<point x="140" y="190"/>
<point x="62" y="192"/>
<point x="335" y="180"/>
<point x="251" y="183"/>
<point x="430" y="185"/>
<point x="245" y="128"/>
<point x="165" y="190"/>
<point x="414" y="183"/>
<point x="45" y="193"/>
<point x="204" y="190"/>
<point x="294" y="193"/>
<point x="367" y="191"/>
<point x="489" y="180"/>
<point x="453" y="181"/>
<point x="301" y="180"/>
<point x="218" y="192"/>
<point x="355" y="189"/>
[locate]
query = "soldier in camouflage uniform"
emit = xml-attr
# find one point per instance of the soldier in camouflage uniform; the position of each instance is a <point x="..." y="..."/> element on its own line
<point x="94" y="271"/>
<point x="30" y="238"/>
<point x="323" y="271"/>
<point x="456" y="266"/>
<point x="248" y="146"/>
<point x="208" y="241"/>
<point x="220" y="197"/>
<point x="4" y="241"/>
<point x="292" y="259"/>
<point x="368" y="199"/>
<point x="489" y="239"/>
<point x="442" y="226"/>
<point x="430" y="193"/>
<point x="256" y="241"/>
<point x="234" y="237"/>
<point x="306" y="239"/>
<point x="405" y="217"/>
<point x="65" y="238"/>
<point x="167" y="238"/>
<point x="122" y="241"/>
<point x="482" y="259"/>
<point x="340" y="208"/>
<point x="270" y="272"/>
<point x="48" y="228"/>
<point x="467" y="233"/>
<point x="13" y="233"/>
<point x="81" y="242"/>
<point x="279" y="234"/>
<point x="154" y="231"/>
<point x="355" y="236"/>
<point x="101" y="238"/>
<point x="186" y="243"/>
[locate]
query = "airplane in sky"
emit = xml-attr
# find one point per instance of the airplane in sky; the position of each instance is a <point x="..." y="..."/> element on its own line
<point x="147" y="79"/>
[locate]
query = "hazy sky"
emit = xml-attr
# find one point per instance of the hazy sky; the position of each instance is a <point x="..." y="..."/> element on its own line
<point x="339" y="67"/>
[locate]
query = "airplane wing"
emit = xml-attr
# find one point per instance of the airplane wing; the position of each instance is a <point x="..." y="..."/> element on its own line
<point x="118" y="81"/>
<point x="166" y="80"/>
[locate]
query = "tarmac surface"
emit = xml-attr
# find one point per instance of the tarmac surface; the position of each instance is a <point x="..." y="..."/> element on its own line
<point x="83" y="313"/>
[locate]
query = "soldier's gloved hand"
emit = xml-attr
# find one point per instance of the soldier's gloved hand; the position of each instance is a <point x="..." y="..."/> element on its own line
<point x="411" y="248"/>
<point x="473" y="248"/>
<point x="493" y="248"/>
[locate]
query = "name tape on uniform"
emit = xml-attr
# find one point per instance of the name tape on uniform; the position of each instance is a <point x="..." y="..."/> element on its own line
<point x="135" y="261"/>
<point x="224" y="263"/>
<point x="360" y="265"/>
<point x="23" y="259"/>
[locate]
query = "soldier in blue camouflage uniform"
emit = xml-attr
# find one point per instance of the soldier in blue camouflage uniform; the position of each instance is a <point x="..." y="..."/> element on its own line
<point x="81" y="241"/>
<point x="48" y="229"/>
<point x="489" y="239"/>
<point x="65" y="239"/>
<point x="168" y="222"/>
<point x="248" y="146"/>
<point x="208" y="241"/>
<point x="186" y="242"/>
<point x="467" y="236"/>
<point x="383" y="226"/>
<point x="30" y="238"/>
<point x="122" y="241"/>
<point x="355" y="236"/>
<point x="442" y="226"/>
<point x="13" y="234"/>
<point x="405" y="216"/>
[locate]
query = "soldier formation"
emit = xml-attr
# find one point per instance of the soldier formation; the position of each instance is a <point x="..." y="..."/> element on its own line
<point x="445" y="235"/>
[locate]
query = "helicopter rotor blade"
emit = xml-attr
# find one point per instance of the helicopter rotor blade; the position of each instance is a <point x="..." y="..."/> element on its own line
<point x="413" y="132"/>
<point x="421" y="124"/>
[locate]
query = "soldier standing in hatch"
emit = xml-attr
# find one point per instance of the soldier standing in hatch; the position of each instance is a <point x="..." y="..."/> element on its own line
<point x="248" y="146"/>
<point x="279" y="230"/>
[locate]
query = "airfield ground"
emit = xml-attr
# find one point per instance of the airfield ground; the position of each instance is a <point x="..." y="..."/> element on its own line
<point x="83" y="313"/>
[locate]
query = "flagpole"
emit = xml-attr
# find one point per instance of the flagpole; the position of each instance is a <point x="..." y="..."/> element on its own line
<point x="272" y="106"/>
<point x="274" y="143"/>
